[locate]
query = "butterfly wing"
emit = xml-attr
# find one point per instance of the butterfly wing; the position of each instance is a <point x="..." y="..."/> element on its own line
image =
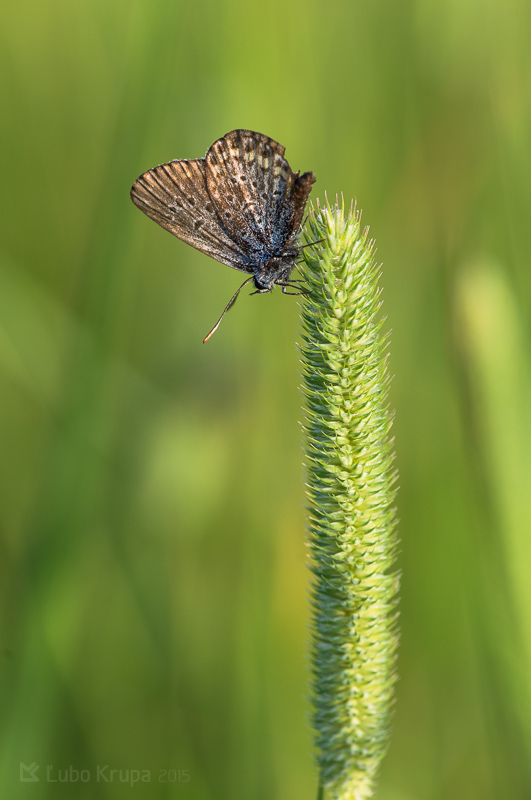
<point x="292" y="210"/>
<point x="255" y="192"/>
<point x="175" y="196"/>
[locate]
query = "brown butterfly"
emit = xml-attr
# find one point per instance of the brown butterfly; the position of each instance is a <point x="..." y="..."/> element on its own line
<point x="241" y="204"/>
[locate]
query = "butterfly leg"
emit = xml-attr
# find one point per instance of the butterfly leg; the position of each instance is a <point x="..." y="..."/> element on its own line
<point x="311" y="244"/>
<point x="293" y="285"/>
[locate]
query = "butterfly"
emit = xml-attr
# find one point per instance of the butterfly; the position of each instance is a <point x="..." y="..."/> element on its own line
<point x="241" y="204"/>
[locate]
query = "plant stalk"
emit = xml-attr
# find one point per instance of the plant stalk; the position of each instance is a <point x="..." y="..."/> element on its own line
<point x="351" y="491"/>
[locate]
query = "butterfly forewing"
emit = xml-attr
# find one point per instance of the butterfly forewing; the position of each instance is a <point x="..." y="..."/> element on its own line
<point x="176" y="197"/>
<point x="248" y="179"/>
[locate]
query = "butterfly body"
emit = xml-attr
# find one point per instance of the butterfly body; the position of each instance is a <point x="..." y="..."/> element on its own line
<point x="241" y="204"/>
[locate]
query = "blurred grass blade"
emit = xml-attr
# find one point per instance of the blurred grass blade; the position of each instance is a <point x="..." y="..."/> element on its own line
<point x="492" y="341"/>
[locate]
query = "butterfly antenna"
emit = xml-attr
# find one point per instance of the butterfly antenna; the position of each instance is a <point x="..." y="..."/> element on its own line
<point x="229" y="305"/>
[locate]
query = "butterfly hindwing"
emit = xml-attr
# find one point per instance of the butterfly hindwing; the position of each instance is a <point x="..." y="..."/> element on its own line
<point x="292" y="210"/>
<point x="175" y="196"/>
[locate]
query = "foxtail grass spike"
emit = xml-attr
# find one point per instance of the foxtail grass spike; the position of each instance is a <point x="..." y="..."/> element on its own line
<point x="350" y="490"/>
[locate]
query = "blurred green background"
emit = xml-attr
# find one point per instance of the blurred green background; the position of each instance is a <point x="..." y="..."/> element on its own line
<point x="154" y="587"/>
